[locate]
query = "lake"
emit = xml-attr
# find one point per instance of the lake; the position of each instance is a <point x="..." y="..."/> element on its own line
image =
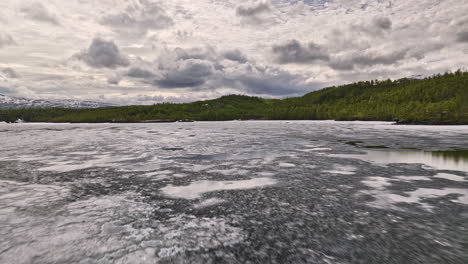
<point x="233" y="192"/>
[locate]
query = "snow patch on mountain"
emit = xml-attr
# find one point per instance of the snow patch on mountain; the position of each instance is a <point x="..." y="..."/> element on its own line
<point x="9" y="102"/>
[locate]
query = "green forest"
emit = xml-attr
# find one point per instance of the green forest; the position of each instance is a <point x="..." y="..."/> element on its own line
<point x="439" y="99"/>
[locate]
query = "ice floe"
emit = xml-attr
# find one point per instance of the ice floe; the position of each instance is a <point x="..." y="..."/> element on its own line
<point x="196" y="189"/>
<point x="208" y="202"/>
<point x="233" y="171"/>
<point x="450" y="177"/>
<point x="342" y="169"/>
<point x="384" y="198"/>
<point x="286" y="165"/>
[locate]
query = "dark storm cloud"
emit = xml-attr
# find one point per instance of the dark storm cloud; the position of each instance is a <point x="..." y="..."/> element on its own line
<point x="250" y="11"/>
<point x="244" y="76"/>
<point x="462" y="36"/>
<point x="149" y="16"/>
<point x="298" y="53"/>
<point x="367" y="60"/>
<point x="386" y="59"/>
<point x="235" y="55"/>
<point x="295" y="52"/>
<point x="383" y="23"/>
<point x="6" y="40"/>
<point x="178" y="68"/>
<point x="191" y="73"/>
<point x="103" y="54"/>
<point x="199" y="69"/>
<point x="10" y="73"/>
<point x="38" y="12"/>
<point x="137" y="72"/>
<point x="207" y="53"/>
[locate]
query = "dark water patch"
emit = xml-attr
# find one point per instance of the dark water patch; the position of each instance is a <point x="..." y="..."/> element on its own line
<point x="53" y="129"/>
<point x="19" y="171"/>
<point x="353" y="143"/>
<point x="172" y="149"/>
<point x="358" y="143"/>
<point x="407" y="148"/>
<point x="221" y="156"/>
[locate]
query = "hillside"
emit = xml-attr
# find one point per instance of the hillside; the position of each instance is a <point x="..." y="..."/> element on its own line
<point x="440" y="99"/>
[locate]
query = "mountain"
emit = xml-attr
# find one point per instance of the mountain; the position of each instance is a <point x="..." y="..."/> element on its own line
<point x="9" y="102"/>
<point x="440" y="99"/>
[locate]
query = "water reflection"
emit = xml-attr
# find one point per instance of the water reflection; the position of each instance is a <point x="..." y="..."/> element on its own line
<point x="441" y="160"/>
<point x="457" y="155"/>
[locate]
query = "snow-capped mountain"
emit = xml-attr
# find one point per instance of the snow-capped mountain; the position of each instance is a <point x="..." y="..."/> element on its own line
<point x="9" y="102"/>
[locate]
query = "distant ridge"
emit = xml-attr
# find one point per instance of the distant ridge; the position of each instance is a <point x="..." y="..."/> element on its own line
<point x="436" y="100"/>
<point x="10" y="102"/>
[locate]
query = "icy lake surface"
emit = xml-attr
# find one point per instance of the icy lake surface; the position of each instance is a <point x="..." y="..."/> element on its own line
<point x="233" y="192"/>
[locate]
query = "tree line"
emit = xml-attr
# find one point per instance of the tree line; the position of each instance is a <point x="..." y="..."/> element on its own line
<point x="441" y="98"/>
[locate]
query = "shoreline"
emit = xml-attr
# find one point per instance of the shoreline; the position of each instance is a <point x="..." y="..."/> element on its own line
<point x="399" y="123"/>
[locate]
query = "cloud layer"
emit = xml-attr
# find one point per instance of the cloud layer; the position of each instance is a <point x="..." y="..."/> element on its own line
<point x="147" y="51"/>
<point x="138" y="18"/>
<point x="295" y="52"/>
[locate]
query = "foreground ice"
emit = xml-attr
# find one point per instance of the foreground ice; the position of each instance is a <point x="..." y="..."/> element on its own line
<point x="233" y="192"/>
<point x="99" y="229"/>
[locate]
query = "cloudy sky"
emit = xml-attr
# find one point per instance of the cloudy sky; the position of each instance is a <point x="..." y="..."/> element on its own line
<point x="148" y="51"/>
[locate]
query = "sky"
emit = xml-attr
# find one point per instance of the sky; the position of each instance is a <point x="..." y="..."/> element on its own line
<point x="151" y="51"/>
